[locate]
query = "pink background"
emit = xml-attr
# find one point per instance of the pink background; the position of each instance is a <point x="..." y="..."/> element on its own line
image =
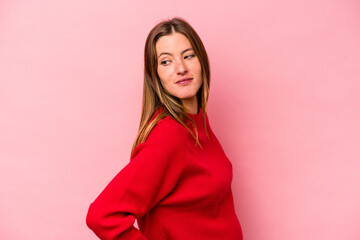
<point x="285" y="101"/>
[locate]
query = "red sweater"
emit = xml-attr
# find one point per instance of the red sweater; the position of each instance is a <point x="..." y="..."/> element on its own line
<point x="175" y="189"/>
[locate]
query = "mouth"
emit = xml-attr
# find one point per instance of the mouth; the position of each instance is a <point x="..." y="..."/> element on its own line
<point x="184" y="81"/>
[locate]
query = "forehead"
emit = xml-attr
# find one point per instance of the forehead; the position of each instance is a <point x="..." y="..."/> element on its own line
<point x="176" y="42"/>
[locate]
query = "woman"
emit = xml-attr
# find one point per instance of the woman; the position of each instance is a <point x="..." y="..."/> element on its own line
<point x="178" y="182"/>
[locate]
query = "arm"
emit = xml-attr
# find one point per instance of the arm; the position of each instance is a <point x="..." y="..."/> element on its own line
<point x="154" y="170"/>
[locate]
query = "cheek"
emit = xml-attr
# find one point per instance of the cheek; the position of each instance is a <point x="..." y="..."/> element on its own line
<point x="164" y="78"/>
<point x="197" y="67"/>
<point x="160" y="74"/>
<point x="198" y="70"/>
<point x="165" y="74"/>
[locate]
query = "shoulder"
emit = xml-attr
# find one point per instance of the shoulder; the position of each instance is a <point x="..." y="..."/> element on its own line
<point x="168" y="131"/>
<point x="168" y="141"/>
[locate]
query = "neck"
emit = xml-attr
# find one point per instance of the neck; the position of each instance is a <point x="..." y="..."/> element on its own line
<point x="191" y="105"/>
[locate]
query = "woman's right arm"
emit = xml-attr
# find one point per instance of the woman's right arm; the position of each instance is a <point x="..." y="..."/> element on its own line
<point x="153" y="172"/>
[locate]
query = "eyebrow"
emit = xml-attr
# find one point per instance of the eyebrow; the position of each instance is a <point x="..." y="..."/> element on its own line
<point x="188" y="49"/>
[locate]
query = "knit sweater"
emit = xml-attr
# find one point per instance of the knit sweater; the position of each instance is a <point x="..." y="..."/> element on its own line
<point x="175" y="189"/>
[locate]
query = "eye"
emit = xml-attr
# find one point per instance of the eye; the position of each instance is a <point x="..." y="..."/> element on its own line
<point x="165" y="62"/>
<point x="189" y="56"/>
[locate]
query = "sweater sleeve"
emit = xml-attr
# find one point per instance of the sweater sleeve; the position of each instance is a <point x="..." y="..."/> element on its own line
<point x="154" y="170"/>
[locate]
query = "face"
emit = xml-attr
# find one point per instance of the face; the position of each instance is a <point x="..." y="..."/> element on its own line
<point x="178" y="67"/>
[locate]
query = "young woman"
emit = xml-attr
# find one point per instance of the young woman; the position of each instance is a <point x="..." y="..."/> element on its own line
<point x="177" y="184"/>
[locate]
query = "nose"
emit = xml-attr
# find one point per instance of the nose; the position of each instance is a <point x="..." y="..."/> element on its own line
<point x="181" y="68"/>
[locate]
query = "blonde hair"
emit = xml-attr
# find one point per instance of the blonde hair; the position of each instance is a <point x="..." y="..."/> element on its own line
<point x="154" y="95"/>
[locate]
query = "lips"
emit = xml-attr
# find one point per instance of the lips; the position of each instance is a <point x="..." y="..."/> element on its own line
<point x="184" y="81"/>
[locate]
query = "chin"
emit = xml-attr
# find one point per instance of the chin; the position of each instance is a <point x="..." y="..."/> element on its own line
<point x="186" y="96"/>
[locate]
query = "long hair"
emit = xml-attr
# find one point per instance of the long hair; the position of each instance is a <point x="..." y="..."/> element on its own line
<point x="154" y="94"/>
